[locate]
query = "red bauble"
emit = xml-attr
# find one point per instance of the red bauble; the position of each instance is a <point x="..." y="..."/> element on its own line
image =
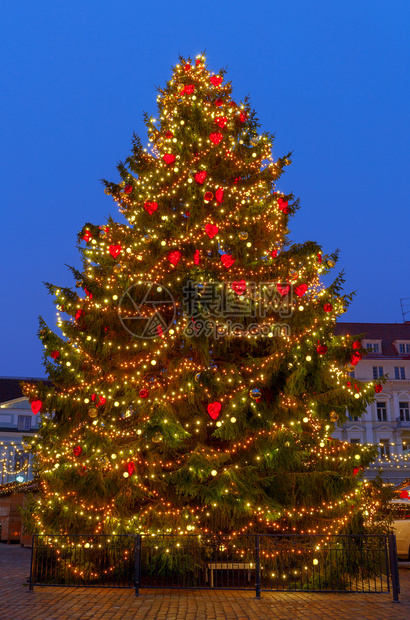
<point x="319" y="258"/>
<point x="208" y="196"/>
<point x="36" y="406"/>
<point x="378" y="388"/>
<point x="215" y="137"/>
<point x="114" y="250"/>
<point x="174" y="257"/>
<point x="87" y="236"/>
<point x="79" y="314"/>
<point x="328" y="307"/>
<point x="102" y="401"/>
<point x="87" y="292"/>
<point x="232" y="104"/>
<point x="169" y="135"/>
<point x="356" y="357"/>
<point x="219" y="195"/>
<point x="200" y="176"/>
<point x="283" y="290"/>
<point x="216" y="80"/>
<point x="239" y="287"/>
<point x="221" y="121"/>
<point x="357" y="344"/>
<point x="218" y="102"/>
<point x="274" y="253"/>
<point x="227" y="260"/>
<point x="211" y="230"/>
<point x="197" y="257"/>
<point x="77" y="450"/>
<point x="356" y="471"/>
<point x="321" y="349"/>
<point x="404" y="494"/>
<point x="283" y="205"/>
<point x="198" y="61"/>
<point x="187" y="67"/>
<point x="131" y="467"/>
<point x="150" y="207"/>
<point x="242" y="117"/>
<point x="168" y="158"/>
<point x="55" y="354"/>
<point x="128" y="189"/>
<point x="144" y="393"/>
<point x="301" y="289"/>
<point x="214" y="409"/>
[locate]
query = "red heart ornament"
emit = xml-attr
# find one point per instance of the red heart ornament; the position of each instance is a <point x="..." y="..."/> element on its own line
<point x="239" y="287"/>
<point x="150" y="207"/>
<point x="87" y="236"/>
<point x="77" y="450"/>
<point x="216" y="137"/>
<point x="221" y="121"/>
<point x="174" y="257"/>
<point x="283" y="205"/>
<point x="131" y="467"/>
<point x="36" y="406"/>
<point x="168" y="158"/>
<point x="214" y="409"/>
<point x="55" y="354"/>
<point x="189" y="89"/>
<point x="242" y="117"/>
<point x="283" y="290"/>
<point x="274" y="253"/>
<point x="219" y="195"/>
<point x="227" y="260"/>
<point x="200" y="176"/>
<point x="115" y="250"/>
<point x="301" y="289"/>
<point x="216" y="80"/>
<point x="187" y="67"/>
<point x="211" y="230"/>
<point x="321" y="349"/>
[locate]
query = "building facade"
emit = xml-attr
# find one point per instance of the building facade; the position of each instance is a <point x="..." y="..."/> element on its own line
<point x="386" y="422"/>
<point x="16" y="421"/>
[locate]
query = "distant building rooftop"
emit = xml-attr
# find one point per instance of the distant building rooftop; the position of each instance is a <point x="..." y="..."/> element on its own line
<point x="388" y="333"/>
<point x="10" y="388"/>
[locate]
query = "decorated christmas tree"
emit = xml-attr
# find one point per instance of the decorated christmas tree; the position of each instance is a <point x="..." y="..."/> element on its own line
<point x="196" y="380"/>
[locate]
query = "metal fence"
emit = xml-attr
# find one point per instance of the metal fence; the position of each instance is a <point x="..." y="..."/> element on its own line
<point x="261" y="562"/>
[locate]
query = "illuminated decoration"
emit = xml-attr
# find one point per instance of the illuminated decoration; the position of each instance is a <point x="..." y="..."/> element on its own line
<point x="378" y="388"/>
<point x="36" y="406"/>
<point x="334" y="416"/>
<point x="228" y="430"/>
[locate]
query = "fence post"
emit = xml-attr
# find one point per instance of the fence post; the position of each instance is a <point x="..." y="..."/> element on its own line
<point x="394" y="567"/>
<point x="30" y="583"/>
<point x="257" y="568"/>
<point x="137" y="564"/>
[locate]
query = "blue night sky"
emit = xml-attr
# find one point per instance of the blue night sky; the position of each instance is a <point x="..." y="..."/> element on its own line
<point x="330" y="79"/>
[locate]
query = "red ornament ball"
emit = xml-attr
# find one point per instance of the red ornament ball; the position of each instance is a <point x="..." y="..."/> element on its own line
<point x="328" y="307"/>
<point x="216" y="80"/>
<point x="319" y="258"/>
<point x="77" y="450"/>
<point x="188" y="89"/>
<point x="144" y="393"/>
<point x="169" y="135"/>
<point x="55" y="354"/>
<point x="128" y="189"/>
<point x="187" y="67"/>
<point x="197" y="257"/>
<point x="218" y="102"/>
<point x="79" y="314"/>
<point x="356" y="357"/>
<point x="283" y="205"/>
<point x="208" y="196"/>
<point x="87" y="236"/>
<point x="242" y="117"/>
<point x="357" y="344"/>
<point x="321" y="349"/>
<point x="404" y="494"/>
<point x="378" y="388"/>
<point x="274" y="253"/>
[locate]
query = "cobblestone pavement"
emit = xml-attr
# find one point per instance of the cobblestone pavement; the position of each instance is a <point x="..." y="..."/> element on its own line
<point x="17" y="603"/>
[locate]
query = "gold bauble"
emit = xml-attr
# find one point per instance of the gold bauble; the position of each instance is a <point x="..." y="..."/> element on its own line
<point x="331" y="263"/>
<point x="243" y="235"/>
<point x="334" y="416"/>
<point x="198" y="376"/>
<point x="255" y="394"/>
<point x="287" y="162"/>
<point x="117" y="268"/>
<point x="157" y="437"/>
<point x="147" y="238"/>
<point x="349" y="367"/>
<point x="93" y="412"/>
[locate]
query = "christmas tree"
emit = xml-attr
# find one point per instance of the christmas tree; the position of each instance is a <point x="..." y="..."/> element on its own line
<point x="196" y="380"/>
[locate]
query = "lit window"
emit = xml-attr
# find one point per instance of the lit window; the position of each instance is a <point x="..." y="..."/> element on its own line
<point x="404" y="348"/>
<point x="384" y="448"/>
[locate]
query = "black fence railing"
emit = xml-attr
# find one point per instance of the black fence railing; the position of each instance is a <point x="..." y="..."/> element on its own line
<point x="261" y="562"/>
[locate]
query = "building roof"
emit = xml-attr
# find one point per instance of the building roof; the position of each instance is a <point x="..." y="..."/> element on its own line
<point x="10" y="388"/>
<point x="386" y="332"/>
